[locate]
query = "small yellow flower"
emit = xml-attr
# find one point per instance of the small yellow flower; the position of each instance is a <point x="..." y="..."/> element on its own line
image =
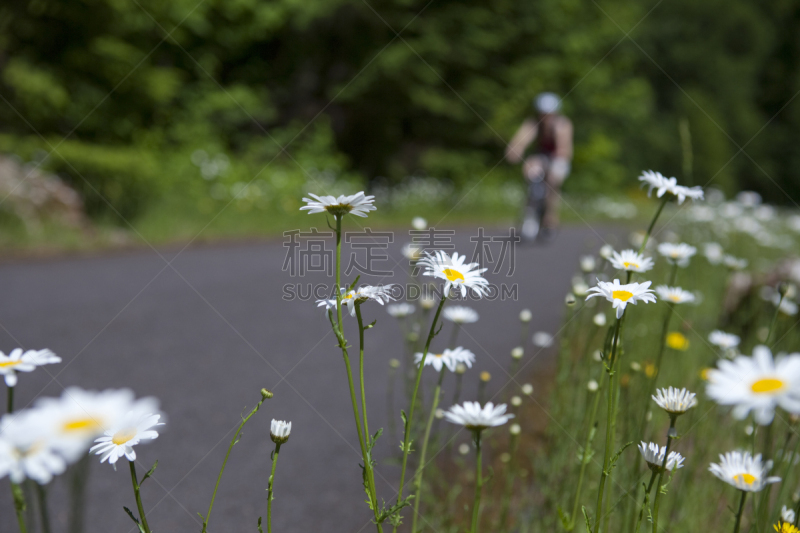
<point x="485" y="376"/>
<point x="785" y="527"/>
<point x="677" y="341"/>
<point x="649" y="370"/>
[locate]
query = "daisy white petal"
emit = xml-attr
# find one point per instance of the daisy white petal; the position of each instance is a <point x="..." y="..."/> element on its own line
<point x="674" y="295"/>
<point x="448" y="358"/>
<point x="653" y="454"/>
<point x="460" y="314"/>
<point x="25" y="448"/>
<point x="622" y="295"/>
<point x="400" y="310"/>
<point x="631" y="261"/>
<point x="674" y="401"/>
<point x="279" y="431"/>
<point x="677" y="253"/>
<point x="726" y="341"/>
<point x="356" y="204"/>
<point x="472" y="416"/>
<point x="455" y="272"/>
<point x="743" y="471"/>
<point x="118" y="442"/>
<point x="24" y="361"/>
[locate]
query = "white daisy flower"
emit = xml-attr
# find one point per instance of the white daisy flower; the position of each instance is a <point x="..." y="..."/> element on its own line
<point x="379" y="293"/>
<point x="599" y="320"/>
<point x="455" y="272"/>
<point x="587" y="263"/>
<point x="460" y="314"/>
<point x="674" y="295"/>
<point x="357" y="204"/>
<point x="525" y="315"/>
<point x="734" y="263"/>
<point x="279" y="431"/>
<point x="25" y="451"/>
<point x="655" y="180"/>
<point x="542" y="339"/>
<point x="78" y="417"/>
<point x="743" y="471"/>
<point x="400" y="310"/>
<point x="757" y="383"/>
<point x="622" y="295"/>
<point x="787" y="514"/>
<point x="419" y="223"/>
<point x="630" y="261"/>
<point x="606" y="251"/>
<point x="653" y="454"/>
<point x="725" y="341"/>
<point x="472" y="416"/>
<point x="677" y="253"/>
<point x="785" y="306"/>
<point x="448" y="358"/>
<point x="682" y="192"/>
<point x="19" y="361"/>
<point x="713" y="252"/>
<point x="411" y="251"/>
<point x="674" y="401"/>
<point x="119" y="441"/>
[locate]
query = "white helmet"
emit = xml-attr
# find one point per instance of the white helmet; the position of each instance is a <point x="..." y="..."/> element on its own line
<point x="547" y="103"/>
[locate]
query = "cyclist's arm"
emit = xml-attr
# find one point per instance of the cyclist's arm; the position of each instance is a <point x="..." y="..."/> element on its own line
<point x="563" y="138"/>
<point x="525" y="135"/>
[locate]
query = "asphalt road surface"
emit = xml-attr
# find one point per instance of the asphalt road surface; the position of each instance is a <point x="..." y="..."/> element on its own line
<point x="204" y="330"/>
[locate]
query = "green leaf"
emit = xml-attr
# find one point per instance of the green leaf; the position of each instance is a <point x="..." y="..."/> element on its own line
<point x="259" y="525"/>
<point x="565" y="521"/>
<point x="613" y="462"/>
<point x="141" y="528"/>
<point x="586" y="517"/>
<point x="149" y="473"/>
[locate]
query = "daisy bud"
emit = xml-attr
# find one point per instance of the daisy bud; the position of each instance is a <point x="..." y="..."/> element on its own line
<point x="461" y="368"/>
<point x="426" y="302"/>
<point x="525" y="315"/>
<point x="649" y="416"/>
<point x="599" y="320"/>
<point x="394" y="363"/>
<point x="542" y="339"/>
<point x="636" y="367"/>
<point x="606" y="251"/>
<point x="463" y="448"/>
<point x="515" y="429"/>
<point x="517" y="352"/>
<point x="439" y="414"/>
<point x="580" y="288"/>
<point x="587" y="263"/>
<point x="505" y="457"/>
<point x="516" y="401"/>
<point x="796" y="497"/>
<point x="279" y="431"/>
<point x="419" y="223"/>
<point x="783" y="288"/>
<point x="527" y="389"/>
<point x="485" y="376"/>
<point x="592" y="386"/>
<point x="265" y="394"/>
<point x="569" y="299"/>
<point x="748" y="430"/>
<point x="597" y="355"/>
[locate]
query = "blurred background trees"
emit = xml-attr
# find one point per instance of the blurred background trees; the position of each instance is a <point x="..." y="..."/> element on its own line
<point x="140" y="97"/>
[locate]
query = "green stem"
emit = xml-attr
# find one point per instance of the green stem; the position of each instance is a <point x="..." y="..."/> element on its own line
<point x="763" y="503"/>
<point x="423" y="453"/>
<point x="653" y="223"/>
<point x="10" y="399"/>
<point x="659" y="358"/>
<point x="367" y="458"/>
<point x="139" y="505"/>
<point x="44" y="515"/>
<point x="613" y="384"/>
<point x="739" y="513"/>
<point x="269" y="486"/>
<point x="235" y="439"/>
<point x="646" y="500"/>
<point x="410" y="415"/>
<point x="585" y="458"/>
<point x="19" y="506"/>
<point x="512" y="467"/>
<point x="670" y="436"/>
<point x="478" y="483"/>
<point x="774" y="320"/>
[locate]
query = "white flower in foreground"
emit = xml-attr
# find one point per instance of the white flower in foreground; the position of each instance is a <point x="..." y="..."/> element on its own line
<point x="419" y="223"/>
<point x="743" y="471"/>
<point x="653" y="454"/>
<point x="757" y="383"/>
<point x="787" y="514"/>
<point x="674" y="401"/>
<point x="655" y="180"/>
<point x="713" y="252"/>
<point x="19" y="361"/>
<point x="472" y="416"/>
<point x="75" y="419"/>
<point x="630" y="261"/>
<point x="400" y="310"/>
<point x="622" y="295"/>
<point x="460" y="314"/>
<point x="726" y="341"/>
<point x="25" y="451"/>
<point x="356" y="204"/>
<point x="279" y="431"/>
<point x="542" y="339"/>
<point x="455" y="272"/>
<point x="674" y="295"/>
<point x="119" y="441"/>
<point x="379" y="293"/>
<point x="677" y="253"/>
<point x="448" y="358"/>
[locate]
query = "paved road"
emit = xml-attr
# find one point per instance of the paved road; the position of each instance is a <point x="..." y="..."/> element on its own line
<point x="204" y="334"/>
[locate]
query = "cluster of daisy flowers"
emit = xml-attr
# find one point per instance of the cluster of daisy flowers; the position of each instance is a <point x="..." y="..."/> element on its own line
<point x="38" y="443"/>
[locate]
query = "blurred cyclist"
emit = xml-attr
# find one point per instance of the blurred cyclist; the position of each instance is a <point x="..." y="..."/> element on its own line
<point x="544" y="144"/>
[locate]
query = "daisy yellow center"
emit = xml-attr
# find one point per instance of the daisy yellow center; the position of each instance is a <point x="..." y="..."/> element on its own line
<point x="80" y="424"/>
<point x="348" y="296"/>
<point x="453" y="275"/>
<point x="622" y="295"/>
<point x="675" y="255"/>
<point x="123" y="436"/>
<point x="438" y="355"/>
<point x="628" y="264"/>
<point x="674" y="297"/>
<point x="747" y="478"/>
<point x="6" y="364"/>
<point x="767" y="385"/>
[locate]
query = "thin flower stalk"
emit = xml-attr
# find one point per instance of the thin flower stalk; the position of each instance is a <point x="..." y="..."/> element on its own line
<point x="610" y="422"/>
<point x="476" y="505"/>
<point x="653" y="224"/>
<point x="659" y="359"/>
<point x="512" y="470"/>
<point x="645" y="500"/>
<point x="790" y="460"/>
<point x="670" y="436"/>
<point x="410" y="415"/>
<point x="265" y="394"/>
<point x="775" y="318"/>
<point x="16" y="490"/>
<point x="44" y="514"/>
<point x="136" y="493"/>
<point x="738" y="522"/>
<point x="423" y="452"/>
<point x="270" y="492"/>
<point x="590" y="434"/>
